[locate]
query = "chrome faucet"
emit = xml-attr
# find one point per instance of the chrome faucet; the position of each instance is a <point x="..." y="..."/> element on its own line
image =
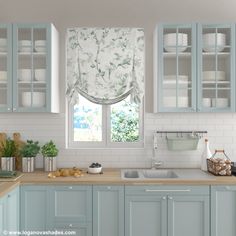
<point x="155" y="164"/>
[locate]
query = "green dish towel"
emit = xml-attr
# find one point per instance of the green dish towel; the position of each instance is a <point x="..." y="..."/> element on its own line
<point x="7" y="174"/>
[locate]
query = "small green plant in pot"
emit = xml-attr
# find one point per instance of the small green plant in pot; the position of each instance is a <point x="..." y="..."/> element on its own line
<point x="49" y="152"/>
<point x="8" y="155"/>
<point x="28" y="152"/>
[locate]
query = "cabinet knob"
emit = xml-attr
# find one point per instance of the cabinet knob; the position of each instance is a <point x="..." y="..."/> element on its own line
<point x="70" y="187"/>
<point x="170" y="198"/>
<point x="8" y="108"/>
<point x="109" y="187"/>
<point x="164" y="198"/>
<point x="14" y="109"/>
<point x="70" y="225"/>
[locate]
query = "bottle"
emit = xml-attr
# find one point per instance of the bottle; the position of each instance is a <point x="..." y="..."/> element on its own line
<point x="205" y="155"/>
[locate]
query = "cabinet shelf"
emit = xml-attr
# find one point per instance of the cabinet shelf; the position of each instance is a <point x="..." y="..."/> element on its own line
<point x="215" y="82"/>
<point x="33" y="82"/>
<point x="212" y="54"/>
<point x="174" y="55"/>
<point x="28" y="54"/>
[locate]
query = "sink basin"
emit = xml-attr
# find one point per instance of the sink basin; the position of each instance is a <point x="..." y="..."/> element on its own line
<point x="159" y="174"/>
<point x="131" y="174"/>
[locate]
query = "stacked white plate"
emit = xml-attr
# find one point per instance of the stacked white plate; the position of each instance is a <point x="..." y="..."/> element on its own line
<point x="171" y="102"/>
<point x="24" y="75"/>
<point x="25" y="45"/>
<point x="172" y="78"/>
<point x="40" y="45"/>
<point x="3" y="44"/>
<point x="172" y="40"/>
<point x="38" y="99"/>
<point x="213" y="42"/>
<point x="3" y="75"/>
<point x="213" y="75"/>
<point x="40" y="74"/>
<point x="220" y="102"/>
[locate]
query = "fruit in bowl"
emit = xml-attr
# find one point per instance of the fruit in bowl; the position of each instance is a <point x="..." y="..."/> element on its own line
<point x="95" y="168"/>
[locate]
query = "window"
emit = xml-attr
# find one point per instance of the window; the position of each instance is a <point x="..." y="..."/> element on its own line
<point x="93" y="125"/>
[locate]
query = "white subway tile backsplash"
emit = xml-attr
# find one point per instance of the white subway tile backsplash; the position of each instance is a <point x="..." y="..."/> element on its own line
<point x="43" y="127"/>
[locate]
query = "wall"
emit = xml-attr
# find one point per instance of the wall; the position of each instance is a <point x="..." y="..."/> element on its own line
<point x="133" y="13"/>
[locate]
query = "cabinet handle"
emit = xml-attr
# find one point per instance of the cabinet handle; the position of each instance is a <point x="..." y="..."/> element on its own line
<point x="167" y="190"/>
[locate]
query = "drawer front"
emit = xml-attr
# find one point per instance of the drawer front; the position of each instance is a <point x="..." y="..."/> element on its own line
<point x="167" y="190"/>
<point x="71" y="203"/>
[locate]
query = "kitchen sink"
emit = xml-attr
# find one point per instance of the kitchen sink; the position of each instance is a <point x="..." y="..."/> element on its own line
<point x="159" y="174"/>
<point x="147" y="174"/>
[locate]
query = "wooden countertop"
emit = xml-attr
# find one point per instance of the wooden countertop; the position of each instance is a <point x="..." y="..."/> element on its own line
<point x="110" y="177"/>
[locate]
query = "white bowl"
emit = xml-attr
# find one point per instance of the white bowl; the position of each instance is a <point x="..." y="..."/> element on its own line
<point x="24" y="74"/>
<point x="40" y="43"/>
<point x="95" y="170"/>
<point x="3" y="42"/>
<point x="171" y="102"/>
<point x="40" y="74"/>
<point x="206" y="102"/>
<point x="213" y="42"/>
<point x="40" y="49"/>
<point x="170" y="41"/>
<point x="37" y="97"/>
<point x="220" y="102"/>
<point x="213" y="75"/>
<point x="3" y="75"/>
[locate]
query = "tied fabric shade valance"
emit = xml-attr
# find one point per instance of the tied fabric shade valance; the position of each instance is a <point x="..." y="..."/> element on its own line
<point x="105" y="65"/>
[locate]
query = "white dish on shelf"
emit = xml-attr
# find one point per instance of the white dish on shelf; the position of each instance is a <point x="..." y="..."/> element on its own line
<point x="174" y="78"/>
<point x="40" y="74"/>
<point x="24" y="45"/>
<point x="213" y="42"/>
<point x="3" y="42"/>
<point x="220" y="102"/>
<point x="213" y="75"/>
<point x="24" y="74"/>
<point x="173" y="43"/>
<point x="206" y="102"/>
<point x="3" y="75"/>
<point x="40" y="45"/>
<point x="171" y="102"/>
<point x="38" y="99"/>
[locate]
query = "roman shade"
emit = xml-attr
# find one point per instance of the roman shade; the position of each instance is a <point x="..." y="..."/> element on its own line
<point x="105" y="65"/>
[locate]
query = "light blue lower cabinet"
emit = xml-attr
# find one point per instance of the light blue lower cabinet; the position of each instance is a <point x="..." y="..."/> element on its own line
<point x="77" y="229"/>
<point x="34" y="208"/>
<point x="223" y="210"/>
<point x="12" y="209"/>
<point x="167" y="211"/>
<point x="108" y="210"/>
<point x="2" y="214"/>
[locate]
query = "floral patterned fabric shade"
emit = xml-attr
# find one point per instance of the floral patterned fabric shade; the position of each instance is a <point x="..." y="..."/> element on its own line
<point x="105" y="65"/>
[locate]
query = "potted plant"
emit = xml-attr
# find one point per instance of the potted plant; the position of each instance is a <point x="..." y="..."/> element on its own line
<point x="49" y="152"/>
<point x="28" y="152"/>
<point x="8" y="151"/>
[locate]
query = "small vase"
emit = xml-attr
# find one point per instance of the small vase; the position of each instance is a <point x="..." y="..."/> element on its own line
<point x="8" y="163"/>
<point x="50" y="164"/>
<point x="28" y="164"/>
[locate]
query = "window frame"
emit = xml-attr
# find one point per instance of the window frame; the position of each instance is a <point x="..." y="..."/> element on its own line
<point x="106" y="132"/>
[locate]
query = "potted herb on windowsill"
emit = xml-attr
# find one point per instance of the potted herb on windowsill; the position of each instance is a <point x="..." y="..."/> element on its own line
<point x="28" y="152"/>
<point x="49" y="152"/>
<point x="8" y="155"/>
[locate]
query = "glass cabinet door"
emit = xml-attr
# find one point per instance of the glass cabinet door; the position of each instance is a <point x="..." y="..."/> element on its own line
<point x="177" y="70"/>
<point x="31" y="72"/>
<point x="5" y="68"/>
<point x="216" y="65"/>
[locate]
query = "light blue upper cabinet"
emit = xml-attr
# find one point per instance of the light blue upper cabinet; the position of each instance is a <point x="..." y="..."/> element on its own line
<point x="5" y="67"/>
<point x="216" y="63"/>
<point x="108" y="210"/>
<point x="175" y="68"/>
<point x="35" y="68"/>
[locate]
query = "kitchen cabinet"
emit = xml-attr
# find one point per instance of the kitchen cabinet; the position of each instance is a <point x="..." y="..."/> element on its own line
<point x="223" y="210"/>
<point x="108" y="210"/>
<point x="71" y="209"/>
<point x="167" y="210"/>
<point x="194" y="68"/>
<point x="9" y="212"/>
<point x="29" y="68"/>
<point x="34" y="207"/>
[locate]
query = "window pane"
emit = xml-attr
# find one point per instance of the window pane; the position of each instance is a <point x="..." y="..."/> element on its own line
<point x="87" y="121"/>
<point x="125" y="121"/>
